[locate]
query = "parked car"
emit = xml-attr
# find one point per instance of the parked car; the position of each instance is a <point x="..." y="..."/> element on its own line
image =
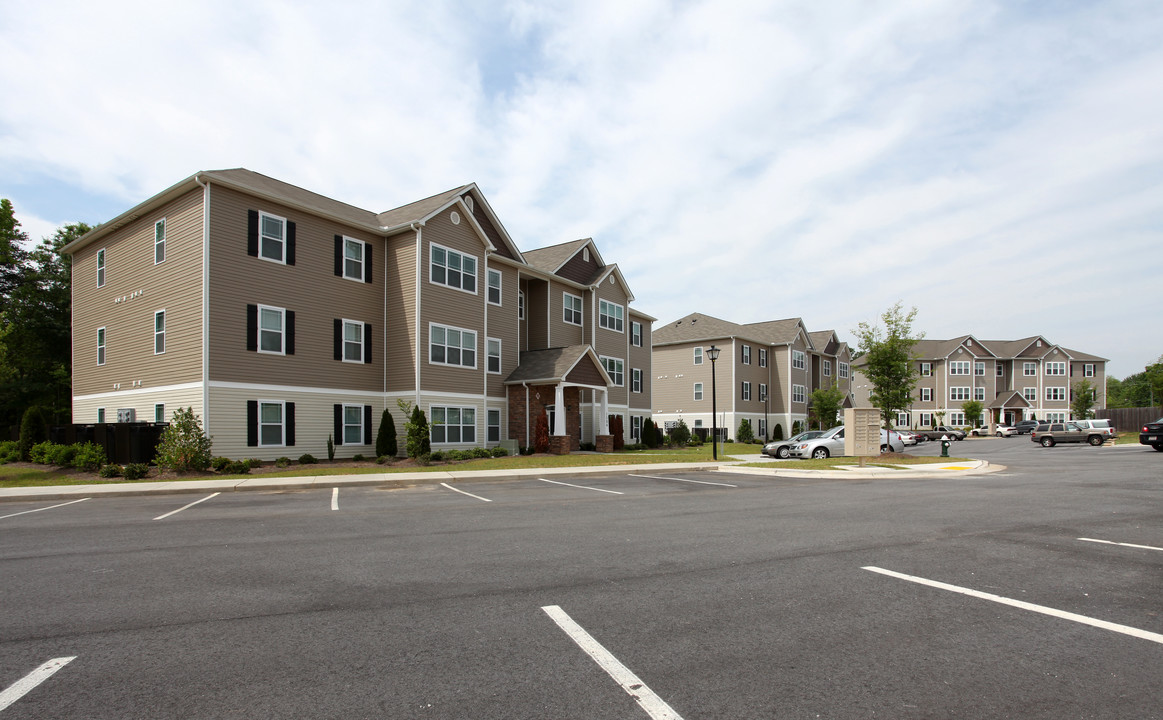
<point x="1152" y="434"/>
<point x="1050" y="434"/>
<point x="942" y="431"/>
<point x="998" y="431"/>
<point x="780" y="448"/>
<point x="832" y="443"/>
<point x="1104" y="425"/>
<point x="908" y="437"/>
<point x="1025" y="427"/>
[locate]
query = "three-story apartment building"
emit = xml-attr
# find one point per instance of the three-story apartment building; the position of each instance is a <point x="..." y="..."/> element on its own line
<point x="283" y="317"/>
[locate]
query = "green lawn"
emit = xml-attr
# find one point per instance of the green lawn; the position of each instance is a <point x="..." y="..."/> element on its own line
<point x="35" y="477"/>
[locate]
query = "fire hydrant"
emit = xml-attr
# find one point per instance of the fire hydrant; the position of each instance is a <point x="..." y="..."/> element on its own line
<point x="944" y="446"/>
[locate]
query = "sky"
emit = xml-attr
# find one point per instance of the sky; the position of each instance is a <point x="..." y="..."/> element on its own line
<point x="996" y="165"/>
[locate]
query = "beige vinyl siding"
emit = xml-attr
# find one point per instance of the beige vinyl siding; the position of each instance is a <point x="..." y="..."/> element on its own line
<point x="135" y="288"/>
<point x="310" y="288"/>
<point x="561" y="333"/>
<point x="538" y="307"/>
<point x="174" y="397"/>
<point x="675" y="375"/>
<point x="400" y="323"/>
<point x="451" y="307"/>
<point x="503" y="326"/>
<point x="610" y="342"/>
<point x="781" y="389"/>
<point x="640" y="357"/>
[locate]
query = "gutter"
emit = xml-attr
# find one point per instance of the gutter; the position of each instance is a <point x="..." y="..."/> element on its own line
<point x="205" y="303"/>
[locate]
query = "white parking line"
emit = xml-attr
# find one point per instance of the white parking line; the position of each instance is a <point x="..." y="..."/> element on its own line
<point x="462" y="492"/>
<point x="185" y="507"/>
<point x="22" y="687"/>
<point x="50" y="507"/>
<point x="1114" y="627"/>
<point x="700" y="482"/>
<point x="334" y="498"/>
<point x="1109" y="542"/>
<point x="654" y="706"/>
<point x="583" y="487"/>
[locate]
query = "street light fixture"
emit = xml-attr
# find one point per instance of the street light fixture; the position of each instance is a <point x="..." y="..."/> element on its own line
<point x="713" y="354"/>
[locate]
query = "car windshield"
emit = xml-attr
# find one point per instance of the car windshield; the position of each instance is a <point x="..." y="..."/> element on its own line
<point x="808" y="435"/>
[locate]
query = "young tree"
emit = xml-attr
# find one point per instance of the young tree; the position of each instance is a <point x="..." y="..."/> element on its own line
<point x="680" y="434"/>
<point x="745" y="434"/>
<point x="419" y="443"/>
<point x="826" y="403"/>
<point x="649" y="435"/>
<point x="618" y="431"/>
<point x="386" y="437"/>
<point x="541" y="433"/>
<point x="887" y="355"/>
<point x="1082" y="400"/>
<point x="972" y="410"/>
<point x="184" y="445"/>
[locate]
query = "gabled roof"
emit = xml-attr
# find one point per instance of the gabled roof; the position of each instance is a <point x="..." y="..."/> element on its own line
<point x="550" y="259"/>
<point x="695" y="326"/>
<point x="825" y="341"/>
<point x="420" y="210"/>
<point x="1086" y="357"/>
<point x="781" y="332"/>
<point x="554" y="364"/>
<point x="1011" y="400"/>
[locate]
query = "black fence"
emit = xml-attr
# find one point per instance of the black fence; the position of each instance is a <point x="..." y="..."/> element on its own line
<point x="123" y="442"/>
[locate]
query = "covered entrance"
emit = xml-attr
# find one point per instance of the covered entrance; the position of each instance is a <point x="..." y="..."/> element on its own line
<point x="560" y="380"/>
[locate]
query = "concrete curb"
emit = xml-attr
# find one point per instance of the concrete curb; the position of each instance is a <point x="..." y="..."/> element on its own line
<point x="855" y="472"/>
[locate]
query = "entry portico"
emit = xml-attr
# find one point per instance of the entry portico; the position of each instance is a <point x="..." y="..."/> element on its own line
<point x="556" y="382"/>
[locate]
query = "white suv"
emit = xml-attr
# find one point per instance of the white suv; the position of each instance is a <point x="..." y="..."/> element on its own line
<point x="1103" y="425"/>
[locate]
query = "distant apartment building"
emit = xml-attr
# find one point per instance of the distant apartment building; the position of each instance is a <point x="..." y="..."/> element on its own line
<point x="765" y="373"/>
<point x="283" y="317"/>
<point x="1025" y="379"/>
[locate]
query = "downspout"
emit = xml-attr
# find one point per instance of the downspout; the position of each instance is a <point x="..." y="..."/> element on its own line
<point x="418" y="229"/>
<point x="205" y="304"/>
<point x="526" y="384"/>
<point x="485" y="364"/>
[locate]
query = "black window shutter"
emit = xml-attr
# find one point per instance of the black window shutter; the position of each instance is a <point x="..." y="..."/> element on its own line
<point x="367" y="342"/>
<point x="338" y="256"/>
<point x="252" y="327"/>
<point x="290" y="332"/>
<point x="367" y="424"/>
<point x="338" y="337"/>
<point x="252" y="233"/>
<point x="338" y="426"/>
<point x="290" y="243"/>
<point x="367" y="263"/>
<point x="252" y="423"/>
<point x="290" y="424"/>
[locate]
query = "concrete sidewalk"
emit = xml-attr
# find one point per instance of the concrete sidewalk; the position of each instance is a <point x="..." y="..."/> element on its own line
<point x="730" y="464"/>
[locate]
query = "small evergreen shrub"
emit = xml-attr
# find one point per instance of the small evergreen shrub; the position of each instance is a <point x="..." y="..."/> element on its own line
<point x="481" y="452"/>
<point x="587" y="447"/>
<point x="283" y="462"/>
<point x="696" y="440"/>
<point x="252" y="463"/>
<point x="307" y="459"/>
<point x="386" y="437"/>
<point x="541" y="433"/>
<point x="9" y="451"/>
<point x="39" y="452"/>
<point x="135" y="471"/>
<point x="330" y="449"/>
<point x="89" y="457"/>
<point x="109" y="471"/>
<point x="499" y="452"/>
<point x="778" y="431"/>
<point x="219" y="463"/>
<point x="424" y="459"/>
<point x="459" y="455"/>
<point x="680" y="434"/>
<point x="33" y="430"/>
<point x="384" y="460"/>
<point x="745" y="434"/>
<point x="419" y="434"/>
<point x="359" y="458"/>
<point x="649" y="433"/>
<point x="63" y="455"/>
<point x="522" y="450"/>
<point x="618" y="430"/>
<point x="237" y="467"/>
<point x="436" y="456"/>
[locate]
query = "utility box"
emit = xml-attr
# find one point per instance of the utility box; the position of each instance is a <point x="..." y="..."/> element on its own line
<point x="861" y="432"/>
<point x="126" y="415"/>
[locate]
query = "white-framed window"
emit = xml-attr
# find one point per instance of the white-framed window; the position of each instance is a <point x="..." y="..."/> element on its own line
<point x="1055" y="393"/>
<point x="958" y="367"/>
<point x="520" y="304"/>
<point x="698" y="391"/>
<point x="958" y="393"/>
<point x="271" y="335"/>
<point x="571" y="308"/>
<point x="1030" y="393"/>
<point x="636" y="335"/>
<point x="926" y="419"/>
<point x="1088" y="370"/>
<point x="843" y="370"/>
<point x="956" y="418"/>
<point x="353" y="424"/>
<point x="799" y="393"/>
<point x="352" y="342"/>
<point x="902" y="419"/>
<point x="1056" y="417"/>
<point x="636" y="380"/>
<point x="926" y="394"/>
<point x="978" y="368"/>
<point x="746" y="354"/>
<point x="763" y="428"/>
<point x="272" y="238"/>
<point x="1055" y="368"/>
<point x="746" y="390"/>
<point x="699" y="355"/>
<point x="762" y="357"/>
<point x="494" y="354"/>
<point x="978" y="393"/>
<point x="100" y="346"/>
<point x="926" y="369"/>
<point x="159" y="242"/>
<point x="610" y="315"/>
<point x="453" y="269"/>
<point x="101" y="267"/>
<point x="826" y="368"/>
<point x="354" y="263"/>
<point x="159" y="413"/>
<point x="495" y="287"/>
<point x="1000" y="369"/>
<point x="698" y="423"/>
<point x="636" y="427"/>
<point x="453" y="424"/>
<point x="271" y="428"/>
<point x="615" y="368"/>
<point x="762" y="392"/>
<point x="100" y="415"/>
<point x="159" y="332"/>
<point x="797" y="360"/>
<point x="493" y="426"/>
<point x="1029" y="369"/>
<point x="452" y="346"/>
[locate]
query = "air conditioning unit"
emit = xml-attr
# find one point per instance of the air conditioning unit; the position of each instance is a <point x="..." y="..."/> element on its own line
<point x="126" y="415"/>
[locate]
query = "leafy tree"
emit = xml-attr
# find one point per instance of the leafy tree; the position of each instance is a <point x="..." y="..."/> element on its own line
<point x="972" y="410"/>
<point x="680" y="434"/>
<point x="887" y="355"/>
<point x="826" y="403"/>
<point x="745" y="434"/>
<point x="386" y="437"/>
<point x="1142" y="389"/>
<point x="13" y="256"/>
<point x="1082" y="400"/>
<point x="184" y="445"/>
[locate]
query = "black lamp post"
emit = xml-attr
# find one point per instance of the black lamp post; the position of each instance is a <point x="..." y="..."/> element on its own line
<point x="713" y="354"/>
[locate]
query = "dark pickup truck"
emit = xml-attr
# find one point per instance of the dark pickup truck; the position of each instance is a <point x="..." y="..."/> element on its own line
<point x="941" y="431"/>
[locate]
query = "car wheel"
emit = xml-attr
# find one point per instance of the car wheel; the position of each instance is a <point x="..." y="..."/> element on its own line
<point x="1047" y="442"/>
<point x="782" y="453"/>
<point x="820" y="453"/>
<point x="1000" y="435"/>
<point x="1094" y="440"/>
<point x="884" y="448"/>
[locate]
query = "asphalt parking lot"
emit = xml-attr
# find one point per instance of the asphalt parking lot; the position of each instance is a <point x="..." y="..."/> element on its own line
<point x="1034" y="592"/>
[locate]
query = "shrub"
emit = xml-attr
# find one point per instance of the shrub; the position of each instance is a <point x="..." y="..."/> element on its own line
<point x="459" y="455"/>
<point x="307" y="459"/>
<point x="283" y="462"/>
<point x="90" y="456"/>
<point x="33" y="430"/>
<point x="795" y="428"/>
<point x="424" y="459"/>
<point x="63" y="455"/>
<point x="587" y="447"/>
<point x="745" y="434"/>
<point x="778" y="431"/>
<point x="436" y="456"/>
<point x="499" y="452"/>
<point x="636" y="446"/>
<point x="184" y="445"/>
<point x="252" y="463"/>
<point x="541" y="433"/>
<point x="386" y="437"/>
<point x="696" y="440"/>
<point x="110" y="471"/>
<point x="359" y="458"/>
<point x="219" y="463"/>
<point x="481" y="452"/>
<point x="419" y="434"/>
<point x="680" y="434"/>
<point x="384" y="459"/>
<point x="237" y="467"/>
<point x="618" y="430"/>
<point x="136" y="471"/>
<point x="39" y="452"/>
<point x="523" y="450"/>
<point x="649" y="434"/>
<point x="9" y="451"/>
<point x="330" y="449"/>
